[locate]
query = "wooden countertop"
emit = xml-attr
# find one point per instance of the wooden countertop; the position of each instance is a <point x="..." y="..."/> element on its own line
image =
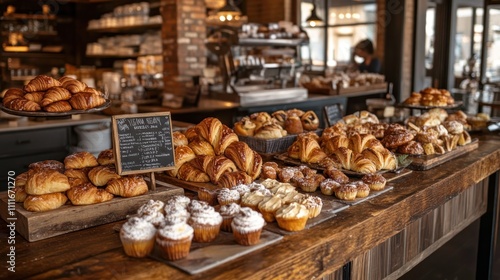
<point x="96" y="253"/>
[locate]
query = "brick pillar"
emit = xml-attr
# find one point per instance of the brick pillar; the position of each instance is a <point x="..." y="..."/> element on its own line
<point x="183" y="39"/>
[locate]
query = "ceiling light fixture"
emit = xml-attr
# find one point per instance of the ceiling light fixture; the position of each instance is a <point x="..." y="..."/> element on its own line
<point x="314" y="19"/>
<point x="229" y="12"/>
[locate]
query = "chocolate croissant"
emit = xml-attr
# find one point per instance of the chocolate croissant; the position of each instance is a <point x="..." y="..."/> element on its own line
<point x="58" y="107"/>
<point x="245" y="158"/>
<point x="55" y="94"/>
<point x="127" y="186"/>
<point x="310" y="120"/>
<point x="44" y="202"/>
<point x="86" y="100"/>
<point x="101" y="175"/>
<point x="41" y="83"/>
<point x="87" y="193"/>
<point x="44" y="181"/>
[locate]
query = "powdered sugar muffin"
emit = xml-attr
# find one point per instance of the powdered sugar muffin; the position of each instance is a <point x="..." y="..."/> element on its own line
<point x="175" y="241"/>
<point x="181" y="200"/>
<point x="329" y="186"/>
<point x="227" y="196"/>
<point x="137" y="237"/>
<point x="292" y="217"/>
<point x="228" y="212"/>
<point x="241" y="189"/>
<point x="313" y="203"/>
<point x="175" y="214"/>
<point x="151" y="206"/>
<point x="195" y="205"/>
<point x="206" y="223"/>
<point x="247" y="226"/>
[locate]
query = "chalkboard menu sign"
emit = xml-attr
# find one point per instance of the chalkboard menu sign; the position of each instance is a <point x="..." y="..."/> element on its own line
<point x="333" y="114"/>
<point x="143" y="142"/>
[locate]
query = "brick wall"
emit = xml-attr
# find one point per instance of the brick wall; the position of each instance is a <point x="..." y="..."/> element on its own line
<point x="183" y="35"/>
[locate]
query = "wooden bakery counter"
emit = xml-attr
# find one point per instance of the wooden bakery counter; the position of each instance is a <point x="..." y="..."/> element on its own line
<point x="386" y="235"/>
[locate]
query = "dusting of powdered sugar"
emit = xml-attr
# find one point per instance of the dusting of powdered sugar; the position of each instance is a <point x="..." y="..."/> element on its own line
<point x="247" y="220"/>
<point x="205" y="215"/>
<point x="176" y="231"/>
<point x="138" y="229"/>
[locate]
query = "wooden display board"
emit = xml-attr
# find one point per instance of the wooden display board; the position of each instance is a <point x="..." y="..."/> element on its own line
<point x="143" y="143"/>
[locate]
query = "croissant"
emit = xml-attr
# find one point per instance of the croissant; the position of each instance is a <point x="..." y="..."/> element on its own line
<point x="244" y="127"/>
<point x="182" y="155"/>
<point x="309" y="120"/>
<point x="374" y="156"/>
<point x="359" y="142"/>
<point x="47" y="164"/>
<point x="58" y="106"/>
<point x="331" y="144"/>
<point x="11" y="94"/>
<point x="390" y="161"/>
<point x="308" y="148"/>
<point x="191" y="134"/>
<point x="106" y="157"/>
<point x="80" y="160"/>
<point x="363" y="165"/>
<point x="86" y="100"/>
<point x="65" y="78"/>
<point x="44" y="202"/>
<point x="75" y="182"/>
<point x="41" y="83"/>
<point x="231" y="179"/>
<point x="22" y="104"/>
<point x="218" y="166"/>
<point x="127" y="186"/>
<point x="55" y="94"/>
<point x="35" y="96"/>
<point x="344" y="156"/>
<point x="209" y="129"/>
<point x="245" y="158"/>
<point x="44" y="181"/>
<point x="188" y="172"/>
<point x="93" y="91"/>
<point x="101" y="175"/>
<point x="74" y="85"/>
<point x="201" y="147"/>
<point x="227" y="136"/>
<point x="201" y="162"/>
<point x="87" y="193"/>
<point x="20" y="193"/>
<point x="179" y="139"/>
<point x="81" y="174"/>
<point x="337" y="129"/>
<point x="21" y="179"/>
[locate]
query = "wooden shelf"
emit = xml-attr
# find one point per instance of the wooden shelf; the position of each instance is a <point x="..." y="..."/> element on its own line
<point x="30" y="34"/>
<point x="27" y="16"/>
<point x="272" y="42"/>
<point x="127" y="29"/>
<point x="116" y="55"/>
<point x="33" y="54"/>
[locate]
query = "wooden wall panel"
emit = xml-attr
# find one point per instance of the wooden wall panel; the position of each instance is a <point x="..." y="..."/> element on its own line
<point x="404" y="250"/>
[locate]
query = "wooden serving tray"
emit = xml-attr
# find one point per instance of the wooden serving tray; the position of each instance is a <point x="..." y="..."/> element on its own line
<point x="388" y="175"/>
<point x="427" y="162"/>
<point x="34" y="226"/>
<point x="204" y="256"/>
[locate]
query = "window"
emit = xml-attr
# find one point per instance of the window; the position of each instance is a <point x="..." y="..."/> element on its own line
<point x="344" y="24"/>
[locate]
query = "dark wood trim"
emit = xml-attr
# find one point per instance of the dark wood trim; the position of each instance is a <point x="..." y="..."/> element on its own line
<point x="419" y="70"/>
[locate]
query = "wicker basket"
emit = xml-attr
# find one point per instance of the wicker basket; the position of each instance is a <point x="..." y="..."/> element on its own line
<point x="271" y="146"/>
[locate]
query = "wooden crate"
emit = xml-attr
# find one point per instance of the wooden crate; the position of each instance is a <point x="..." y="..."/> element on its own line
<point x="34" y="226"/>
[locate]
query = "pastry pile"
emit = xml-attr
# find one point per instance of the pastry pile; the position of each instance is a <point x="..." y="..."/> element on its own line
<point x="277" y="124"/>
<point x="45" y="93"/>
<point x="82" y="179"/>
<point x="430" y="97"/>
<point x="211" y="152"/>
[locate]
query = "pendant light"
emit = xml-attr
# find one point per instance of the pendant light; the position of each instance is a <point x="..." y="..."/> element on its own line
<point x="229" y="12"/>
<point x="314" y="19"/>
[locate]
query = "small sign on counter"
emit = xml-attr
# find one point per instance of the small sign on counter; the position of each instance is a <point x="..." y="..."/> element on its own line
<point x="143" y="143"/>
